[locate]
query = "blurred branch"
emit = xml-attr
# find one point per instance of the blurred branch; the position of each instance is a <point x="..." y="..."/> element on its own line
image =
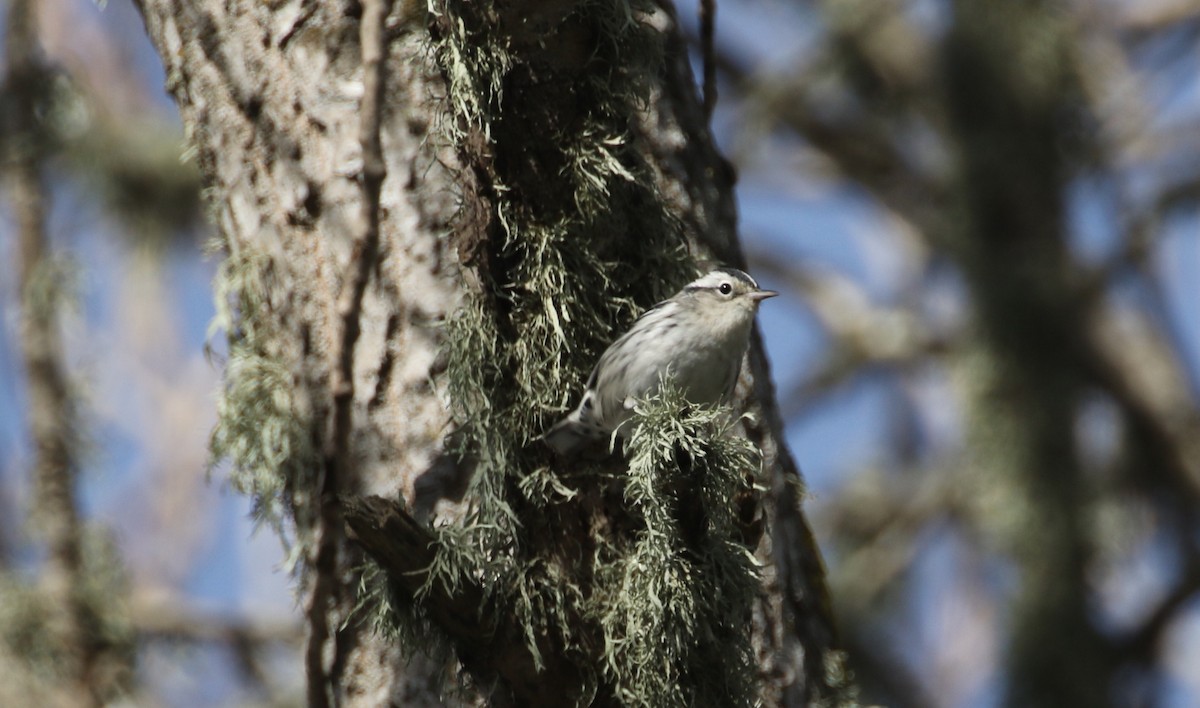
<point x="1143" y="644"/>
<point x="877" y="668"/>
<point x="117" y="136"/>
<point x="864" y="104"/>
<point x="1143" y="234"/>
<point x="864" y="335"/>
<point x="880" y="521"/>
<point x="1151" y="17"/>
<point x="883" y="57"/>
<point x="1146" y="381"/>
<point x="140" y="172"/>
<point x="1135" y="359"/>
<point x="51" y="410"/>
<point x="1013" y="97"/>
<point x="172" y="620"/>
<point x="708" y="19"/>
<point x="882" y="517"/>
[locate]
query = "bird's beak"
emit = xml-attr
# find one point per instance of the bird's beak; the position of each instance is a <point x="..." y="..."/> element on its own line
<point x="761" y="295"/>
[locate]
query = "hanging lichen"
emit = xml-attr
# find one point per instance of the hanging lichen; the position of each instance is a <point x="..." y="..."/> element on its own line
<point x="632" y="569"/>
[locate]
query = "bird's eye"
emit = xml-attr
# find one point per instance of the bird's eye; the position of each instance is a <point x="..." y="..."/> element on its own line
<point x="725" y="288"/>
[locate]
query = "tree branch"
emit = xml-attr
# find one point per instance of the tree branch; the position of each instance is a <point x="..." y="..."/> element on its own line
<point x="171" y="620"/>
<point x="51" y="408"/>
<point x="488" y="642"/>
<point x="1165" y="431"/>
<point x="865" y="147"/>
<point x="362" y="259"/>
<point x="1143" y="644"/>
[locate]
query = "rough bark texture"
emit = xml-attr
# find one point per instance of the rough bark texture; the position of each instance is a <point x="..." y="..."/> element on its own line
<point x="270" y="96"/>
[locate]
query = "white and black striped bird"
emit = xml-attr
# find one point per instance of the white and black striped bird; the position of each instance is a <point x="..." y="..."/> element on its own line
<point x="697" y="338"/>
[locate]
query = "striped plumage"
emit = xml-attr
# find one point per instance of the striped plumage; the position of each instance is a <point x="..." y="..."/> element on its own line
<point x="697" y="337"/>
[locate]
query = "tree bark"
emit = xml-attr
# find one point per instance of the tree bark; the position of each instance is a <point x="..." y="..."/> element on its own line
<point x="271" y="98"/>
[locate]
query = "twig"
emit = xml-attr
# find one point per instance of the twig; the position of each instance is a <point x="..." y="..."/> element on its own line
<point x="327" y="533"/>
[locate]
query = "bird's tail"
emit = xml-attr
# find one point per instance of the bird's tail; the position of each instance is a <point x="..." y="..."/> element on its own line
<point x="568" y="435"/>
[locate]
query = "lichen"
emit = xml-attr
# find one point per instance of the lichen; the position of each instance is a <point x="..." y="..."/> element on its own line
<point x="260" y="430"/>
<point x="652" y="606"/>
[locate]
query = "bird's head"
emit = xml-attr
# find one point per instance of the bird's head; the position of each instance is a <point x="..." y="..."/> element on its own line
<point x="726" y="297"/>
<point x="730" y="287"/>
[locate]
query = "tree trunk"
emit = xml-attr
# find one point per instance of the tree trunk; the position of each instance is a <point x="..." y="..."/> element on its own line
<point x="547" y="171"/>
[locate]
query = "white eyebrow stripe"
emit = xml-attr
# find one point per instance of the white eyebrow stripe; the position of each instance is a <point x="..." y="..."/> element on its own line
<point x="713" y="280"/>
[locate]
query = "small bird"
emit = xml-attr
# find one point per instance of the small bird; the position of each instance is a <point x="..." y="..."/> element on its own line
<point x="697" y="338"/>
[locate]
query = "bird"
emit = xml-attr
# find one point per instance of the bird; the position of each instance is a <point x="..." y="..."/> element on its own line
<point x="696" y="338"/>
